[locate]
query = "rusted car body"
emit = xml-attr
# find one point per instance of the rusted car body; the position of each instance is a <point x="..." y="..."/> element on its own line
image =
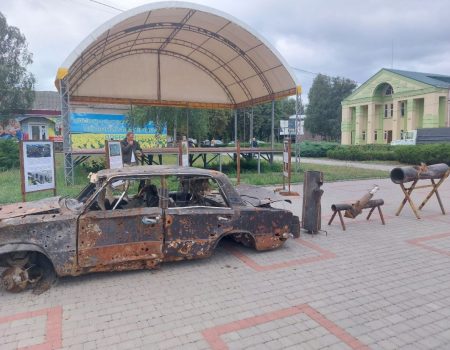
<point x="136" y="217"/>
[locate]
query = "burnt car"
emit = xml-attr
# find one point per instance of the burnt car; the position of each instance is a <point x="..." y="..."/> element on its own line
<point x="134" y="218"/>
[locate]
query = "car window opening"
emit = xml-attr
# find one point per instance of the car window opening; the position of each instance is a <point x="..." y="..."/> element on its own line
<point x="183" y="191"/>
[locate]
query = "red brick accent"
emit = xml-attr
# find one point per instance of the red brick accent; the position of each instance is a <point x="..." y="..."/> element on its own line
<point x="53" y="336"/>
<point x="419" y="242"/>
<point x="212" y="335"/>
<point x="437" y="217"/>
<point x="324" y="255"/>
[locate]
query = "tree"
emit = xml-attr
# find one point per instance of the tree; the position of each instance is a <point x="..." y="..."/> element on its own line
<point x="262" y="120"/>
<point x="323" y="114"/>
<point x="16" y="83"/>
<point x="213" y="123"/>
<point x="196" y="123"/>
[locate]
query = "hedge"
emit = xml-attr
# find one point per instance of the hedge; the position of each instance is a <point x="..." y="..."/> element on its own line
<point x="428" y="154"/>
<point x="412" y="154"/>
<point x="316" y="149"/>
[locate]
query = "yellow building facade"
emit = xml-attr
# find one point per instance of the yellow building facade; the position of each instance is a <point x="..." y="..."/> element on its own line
<point x="393" y="102"/>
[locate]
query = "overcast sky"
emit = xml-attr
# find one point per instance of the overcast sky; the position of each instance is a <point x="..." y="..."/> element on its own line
<point x="347" y="38"/>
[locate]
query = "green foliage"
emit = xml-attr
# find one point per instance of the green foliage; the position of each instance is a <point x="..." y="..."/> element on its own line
<point x="196" y="123"/>
<point x="248" y="166"/>
<point x="9" y="155"/>
<point x="363" y="152"/>
<point x="316" y="149"/>
<point x="94" y="165"/>
<point x="262" y="118"/>
<point x="16" y="83"/>
<point x="323" y="114"/>
<point x="429" y="154"/>
<point x="204" y="124"/>
<point x="413" y="154"/>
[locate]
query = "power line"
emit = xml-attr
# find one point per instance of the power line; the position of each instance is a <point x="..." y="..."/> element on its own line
<point x="103" y="4"/>
<point x="314" y="73"/>
<point x="304" y="70"/>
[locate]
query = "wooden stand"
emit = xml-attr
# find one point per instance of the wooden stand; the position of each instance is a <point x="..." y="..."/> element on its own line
<point x="372" y="204"/>
<point x="286" y="170"/>
<point x="408" y="191"/>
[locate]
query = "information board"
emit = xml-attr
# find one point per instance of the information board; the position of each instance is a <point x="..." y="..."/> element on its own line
<point x="113" y="154"/>
<point x="37" y="166"/>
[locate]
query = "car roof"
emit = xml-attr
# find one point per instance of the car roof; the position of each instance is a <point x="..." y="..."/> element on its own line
<point x="157" y="170"/>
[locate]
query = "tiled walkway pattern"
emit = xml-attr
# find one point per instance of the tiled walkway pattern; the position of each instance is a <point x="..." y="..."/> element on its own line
<point x="370" y="287"/>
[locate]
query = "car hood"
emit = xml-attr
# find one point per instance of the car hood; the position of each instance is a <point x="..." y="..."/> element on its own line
<point x="43" y="206"/>
<point x="258" y="196"/>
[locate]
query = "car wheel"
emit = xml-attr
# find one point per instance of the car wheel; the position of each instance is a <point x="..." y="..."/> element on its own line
<point x="27" y="268"/>
<point x="245" y="239"/>
<point x="14" y="279"/>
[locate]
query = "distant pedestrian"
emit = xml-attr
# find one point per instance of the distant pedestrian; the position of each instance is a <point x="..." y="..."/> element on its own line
<point x="130" y="149"/>
<point x="254" y="143"/>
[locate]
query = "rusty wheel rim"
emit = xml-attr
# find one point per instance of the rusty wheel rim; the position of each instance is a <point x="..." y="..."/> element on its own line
<point x="14" y="279"/>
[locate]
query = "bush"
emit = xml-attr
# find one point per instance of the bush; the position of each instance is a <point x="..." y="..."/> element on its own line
<point x="428" y="154"/>
<point x="9" y="154"/>
<point x="247" y="165"/>
<point x="414" y="154"/>
<point x="316" y="149"/>
<point x="363" y="152"/>
<point x="94" y="165"/>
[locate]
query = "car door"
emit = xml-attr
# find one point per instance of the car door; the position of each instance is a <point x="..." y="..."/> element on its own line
<point x="191" y="231"/>
<point x="108" y="237"/>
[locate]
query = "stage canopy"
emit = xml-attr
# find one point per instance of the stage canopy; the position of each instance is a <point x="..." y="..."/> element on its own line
<point x="176" y="54"/>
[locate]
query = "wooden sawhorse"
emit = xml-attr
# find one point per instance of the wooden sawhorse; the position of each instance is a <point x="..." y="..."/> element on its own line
<point x="408" y="191"/>
<point x="372" y="204"/>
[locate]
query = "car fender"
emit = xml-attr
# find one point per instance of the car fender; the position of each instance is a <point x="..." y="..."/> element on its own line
<point x="21" y="247"/>
<point x="236" y="234"/>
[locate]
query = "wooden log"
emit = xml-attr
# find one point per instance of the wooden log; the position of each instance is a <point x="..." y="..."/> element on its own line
<point x="370" y="204"/>
<point x="358" y="206"/>
<point x="408" y="174"/>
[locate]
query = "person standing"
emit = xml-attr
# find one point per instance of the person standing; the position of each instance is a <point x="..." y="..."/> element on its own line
<point x="130" y="149"/>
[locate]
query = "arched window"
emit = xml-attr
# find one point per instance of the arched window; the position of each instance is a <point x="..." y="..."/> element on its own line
<point x="384" y="90"/>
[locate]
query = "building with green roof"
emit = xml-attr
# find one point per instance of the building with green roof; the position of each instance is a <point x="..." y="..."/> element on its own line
<point x="393" y="102"/>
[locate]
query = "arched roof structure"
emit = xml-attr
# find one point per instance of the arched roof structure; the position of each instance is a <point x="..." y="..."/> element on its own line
<point x="176" y="54"/>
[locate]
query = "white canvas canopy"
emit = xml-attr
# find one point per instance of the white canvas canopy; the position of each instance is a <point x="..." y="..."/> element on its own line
<point x="176" y="54"/>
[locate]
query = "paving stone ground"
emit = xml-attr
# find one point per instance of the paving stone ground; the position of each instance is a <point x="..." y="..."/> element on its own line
<point x="369" y="287"/>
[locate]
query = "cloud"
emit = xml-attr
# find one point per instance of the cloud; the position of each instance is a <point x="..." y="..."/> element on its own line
<point x="349" y="38"/>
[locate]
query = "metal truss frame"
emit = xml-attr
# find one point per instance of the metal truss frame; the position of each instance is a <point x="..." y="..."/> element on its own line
<point x="67" y="143"/>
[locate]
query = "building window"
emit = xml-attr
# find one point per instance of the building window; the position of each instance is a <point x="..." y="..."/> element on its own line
<point x="364" y="135"/>
<point x="389" y="91"/>
<point x="375" y="135"/>
<point x="388" y="110"/>
<point x="402" y="109"/>
<point x="385" y="134"/>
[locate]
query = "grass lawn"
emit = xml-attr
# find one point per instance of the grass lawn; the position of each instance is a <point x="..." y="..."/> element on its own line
<point x="270" y="175"/>
<point x="330" y="173"/>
